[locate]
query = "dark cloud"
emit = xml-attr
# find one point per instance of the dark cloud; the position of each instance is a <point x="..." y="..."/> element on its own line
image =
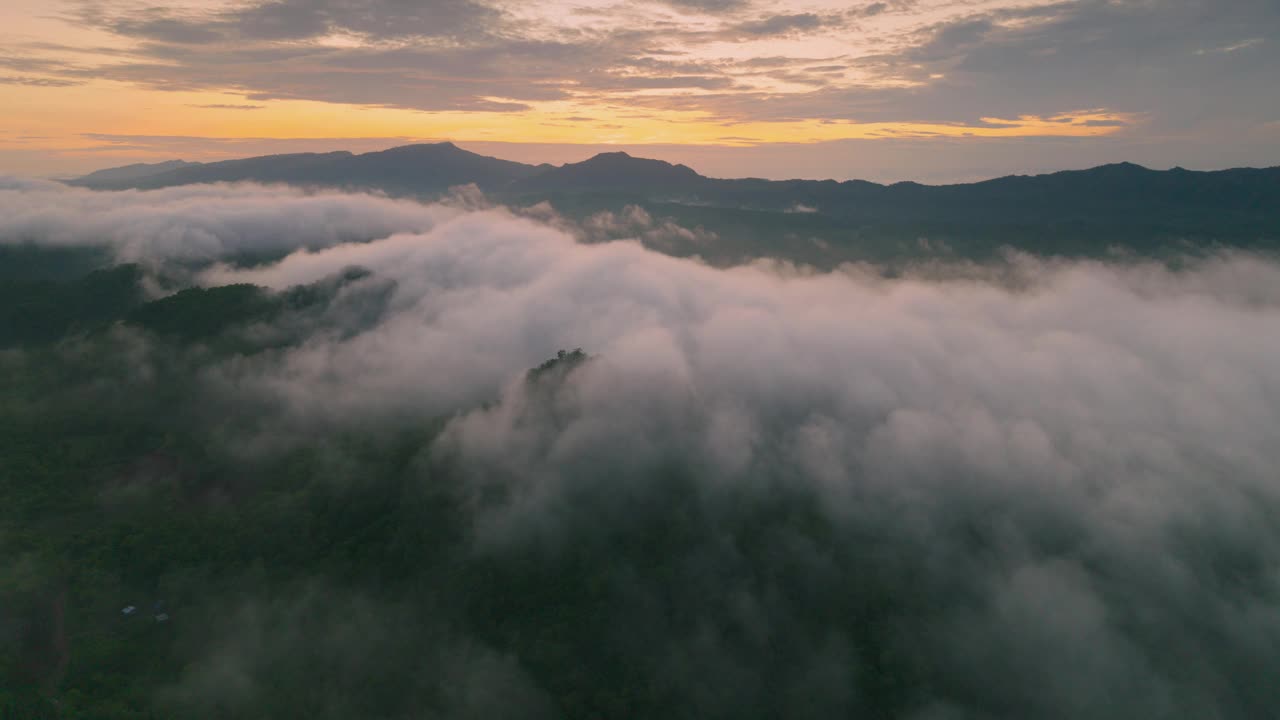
<point x="1186" y="68"/>
<point x="31" y="63"/>
<point x="283" y="20"/>
<point x="1123" y="56"/>
<point x="300" y="19"/>
<point x="167" y="29"/>
<point x="674" y="81"/>
<point x="1135" y="57"/>
<point x="870" y="10"/>
<point x="37" y="81"/>
<point x="429" y="79"/>
<point x="707" y="6"/>
<point x="953" y="39"/>
<point x="485" y="76"/>
<point x="783" y="24"/>
<point x="375" y="18"/>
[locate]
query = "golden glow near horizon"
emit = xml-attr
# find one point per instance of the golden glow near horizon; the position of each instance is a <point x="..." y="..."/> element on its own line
<point x="79" y="79"/>
<point x="123" y="110"/>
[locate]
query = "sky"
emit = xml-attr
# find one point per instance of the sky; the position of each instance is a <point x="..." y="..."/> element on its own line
<point x="930" y="90"/>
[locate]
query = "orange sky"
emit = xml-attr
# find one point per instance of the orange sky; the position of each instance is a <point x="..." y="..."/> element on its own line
<point x="86" y="88"/>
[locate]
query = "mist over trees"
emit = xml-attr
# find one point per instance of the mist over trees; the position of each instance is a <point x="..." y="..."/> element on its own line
<point x="268" y="453"/>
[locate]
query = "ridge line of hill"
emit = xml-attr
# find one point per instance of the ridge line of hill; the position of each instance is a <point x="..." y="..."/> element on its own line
<point x="442" y="165"/>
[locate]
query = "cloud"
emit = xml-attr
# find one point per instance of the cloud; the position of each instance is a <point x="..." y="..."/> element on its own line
<point x="1040" y="477"/>
<point x="772" y="491"/>
<point x="298" y="20"/>
<point x="784" y="24"/>
<point x="1042" y="59"/>
<point x="956" y="64"/>
<point x="646" y="82"/>
<point x="1235" y="47"/>
<point x="157" y="27"/>
<point x="37" y="81"/>
<point x="872" y="9"/>
<point x="442" y="55"/>
<point x="707" y="6"/>
<point x="199" y="223"/>
<point x="1097" y="50"/>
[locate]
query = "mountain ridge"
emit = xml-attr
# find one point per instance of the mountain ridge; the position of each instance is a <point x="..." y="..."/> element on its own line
<point x="1092" y="212"/>
<point x="591" y="174"/>
<point x="611" y="171"/>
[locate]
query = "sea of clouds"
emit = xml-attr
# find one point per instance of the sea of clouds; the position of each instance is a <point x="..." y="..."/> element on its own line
<point x="1060" y="480"/>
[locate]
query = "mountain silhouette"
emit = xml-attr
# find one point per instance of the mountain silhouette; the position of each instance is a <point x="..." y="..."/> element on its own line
<point x="131" y="173"/>
<point x="613" y="171"/>
<point x="1092" y="212"/>
<point x="410" y="169"/>
<point x="427" y="168"/>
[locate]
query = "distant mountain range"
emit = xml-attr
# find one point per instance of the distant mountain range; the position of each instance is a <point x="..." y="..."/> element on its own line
<point x="824" y="222"/>
<point x="130" y="173"/>
<point x="408" y="169"/>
